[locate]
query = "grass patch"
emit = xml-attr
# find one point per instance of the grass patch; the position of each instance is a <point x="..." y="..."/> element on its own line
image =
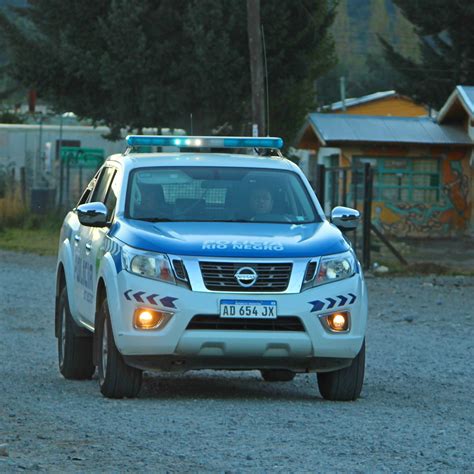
<point x="42" y="241"/>
<point x="21" y="231"/>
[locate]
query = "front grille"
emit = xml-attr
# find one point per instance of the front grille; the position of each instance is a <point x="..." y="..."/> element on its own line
<point x="212" y="321"/>
<point x="219" y="276"/>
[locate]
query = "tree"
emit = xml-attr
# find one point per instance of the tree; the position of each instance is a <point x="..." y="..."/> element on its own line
<point x="360" y="55"/>
<point x="446" y="49"/>
<point x="150" y="63"/>
<point x="299" y="50"/>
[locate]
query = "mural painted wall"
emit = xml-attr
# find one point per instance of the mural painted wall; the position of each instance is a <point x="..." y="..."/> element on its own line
<point x="435" y="204"/>
<point x="449" y="216"/>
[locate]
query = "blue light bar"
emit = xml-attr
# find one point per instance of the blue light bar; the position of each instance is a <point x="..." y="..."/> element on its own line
<point x="206" y="142"/>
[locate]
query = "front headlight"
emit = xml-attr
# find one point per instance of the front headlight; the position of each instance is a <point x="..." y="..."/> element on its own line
<point x="335" y="267"/>
<point x="330" y="268"/>
<point x="148" y="264"/>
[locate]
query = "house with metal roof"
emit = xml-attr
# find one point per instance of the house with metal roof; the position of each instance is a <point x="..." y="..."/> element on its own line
<point x="458" y="111"/>
<point x="459" y="108"/>
<point x="422" y="185"/>
<point x="389" y="103"/>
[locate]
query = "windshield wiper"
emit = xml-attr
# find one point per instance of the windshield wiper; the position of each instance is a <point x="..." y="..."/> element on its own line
<point x="232" y="220"/>
<point x="154" y="219"/>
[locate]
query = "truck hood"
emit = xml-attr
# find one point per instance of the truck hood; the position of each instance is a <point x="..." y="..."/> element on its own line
<point x="231" y="239"/>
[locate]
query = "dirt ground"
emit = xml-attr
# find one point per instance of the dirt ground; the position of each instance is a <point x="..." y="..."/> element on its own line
<point x="415" y="412"/>
<point x="451" y="255"/>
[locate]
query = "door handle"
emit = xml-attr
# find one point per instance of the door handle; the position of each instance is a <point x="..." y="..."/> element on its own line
<point x="88" y="246"/>
<point x="77" y="238"/>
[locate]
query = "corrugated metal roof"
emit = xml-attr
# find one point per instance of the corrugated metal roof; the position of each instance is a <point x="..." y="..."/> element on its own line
<point x="361" y="100"/>
<point x="365" y="128"/>
<point x="467" y="95"/>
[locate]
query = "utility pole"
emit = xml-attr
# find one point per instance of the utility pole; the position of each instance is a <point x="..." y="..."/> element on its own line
<point x="256" y="67"/>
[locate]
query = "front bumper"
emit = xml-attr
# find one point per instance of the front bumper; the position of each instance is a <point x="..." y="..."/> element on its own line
<point x="175" y="345"/>
<point x="179" y="363"/>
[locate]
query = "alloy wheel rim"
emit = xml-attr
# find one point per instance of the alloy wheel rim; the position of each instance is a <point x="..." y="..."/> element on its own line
<point x="63" y="337"/>
<point x="104" y="350"/>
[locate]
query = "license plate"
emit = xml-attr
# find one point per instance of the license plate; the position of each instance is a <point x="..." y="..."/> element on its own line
<point x="248" y="309"/>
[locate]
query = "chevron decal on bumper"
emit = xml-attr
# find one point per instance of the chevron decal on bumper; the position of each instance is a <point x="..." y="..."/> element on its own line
<point x="152" y="298"/>
<point x="334" y="302"/>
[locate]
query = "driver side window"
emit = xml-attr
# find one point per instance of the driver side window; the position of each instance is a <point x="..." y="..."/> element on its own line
<point x="102" y="185"/>
<point x="103" y="191"/>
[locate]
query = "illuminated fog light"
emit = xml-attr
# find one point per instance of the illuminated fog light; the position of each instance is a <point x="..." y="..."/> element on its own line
<point x="187" y="141"/>
<point x="150" y="319"/>
<point x="336" y="322"/>
<point x="177" y="141"/>
<point x="198" y="142"/>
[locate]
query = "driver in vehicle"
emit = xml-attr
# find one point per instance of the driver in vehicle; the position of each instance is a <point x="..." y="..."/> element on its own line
<point x="261" y="202"/>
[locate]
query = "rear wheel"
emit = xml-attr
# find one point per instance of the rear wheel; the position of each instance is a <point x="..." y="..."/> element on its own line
<point x="74" y="344"/>
<point x="344" y="384"/>
<point x="116" y="378"/>
<point x="277" y="375"/>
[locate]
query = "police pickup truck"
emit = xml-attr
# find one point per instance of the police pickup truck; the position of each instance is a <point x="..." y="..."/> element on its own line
<point x="198" y="258"/>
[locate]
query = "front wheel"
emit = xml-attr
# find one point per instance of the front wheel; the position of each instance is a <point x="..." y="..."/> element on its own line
<point x="344" y="384"/>
<point x="74" y="345"/>
<point x="116" y="378"/>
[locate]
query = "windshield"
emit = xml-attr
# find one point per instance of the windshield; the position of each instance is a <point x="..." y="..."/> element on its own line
<point x="218" y="195"/>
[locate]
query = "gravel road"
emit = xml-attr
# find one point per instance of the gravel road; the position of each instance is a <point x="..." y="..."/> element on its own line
<point x="416" y="410"/>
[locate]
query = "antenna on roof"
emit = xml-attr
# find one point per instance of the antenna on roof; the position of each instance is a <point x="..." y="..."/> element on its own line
<point x="343" y="93"/>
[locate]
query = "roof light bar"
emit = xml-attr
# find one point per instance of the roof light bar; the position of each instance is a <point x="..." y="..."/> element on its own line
<point x="208" y="142"/>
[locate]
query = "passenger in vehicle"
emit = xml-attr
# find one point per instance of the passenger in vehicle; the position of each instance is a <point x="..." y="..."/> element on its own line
<point x="152" y="203"/>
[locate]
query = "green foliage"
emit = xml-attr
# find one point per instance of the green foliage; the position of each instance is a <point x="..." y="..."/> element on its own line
<point x="9" y="117"/>
<point x="447" y="49"/>
<point x="356" y="29"/>
<point x="151" y="63"/>
<point x="299" y="51"/>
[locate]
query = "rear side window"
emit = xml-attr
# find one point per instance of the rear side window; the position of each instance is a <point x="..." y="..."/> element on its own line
<point x="85" y="196"/>
<point x="87" y="192"/>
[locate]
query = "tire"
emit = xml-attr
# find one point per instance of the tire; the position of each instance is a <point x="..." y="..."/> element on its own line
<point x="344" y="384"/>
<point x="277" y="375"/>
<point x="74" y="344"/>
<point x="116" y="378"/>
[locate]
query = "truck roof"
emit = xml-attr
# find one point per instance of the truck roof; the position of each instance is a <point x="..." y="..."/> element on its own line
<point x="139" y="160"/>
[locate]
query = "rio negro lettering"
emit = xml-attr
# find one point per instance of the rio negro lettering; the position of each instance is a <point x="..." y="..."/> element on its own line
<point x="241" y="245"/>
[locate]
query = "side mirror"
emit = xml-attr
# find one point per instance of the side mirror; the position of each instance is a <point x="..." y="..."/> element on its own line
<point x="92" y="214"/>
<point x="345" y="218"/>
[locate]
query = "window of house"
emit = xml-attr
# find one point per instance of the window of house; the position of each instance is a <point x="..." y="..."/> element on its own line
<point x="406" y="179"/>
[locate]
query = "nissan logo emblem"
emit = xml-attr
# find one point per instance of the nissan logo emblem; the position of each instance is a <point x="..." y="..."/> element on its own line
<point x="246" y="277"/>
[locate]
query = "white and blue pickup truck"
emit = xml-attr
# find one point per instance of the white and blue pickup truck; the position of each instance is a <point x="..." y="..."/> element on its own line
<point x="201" y="258"/>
